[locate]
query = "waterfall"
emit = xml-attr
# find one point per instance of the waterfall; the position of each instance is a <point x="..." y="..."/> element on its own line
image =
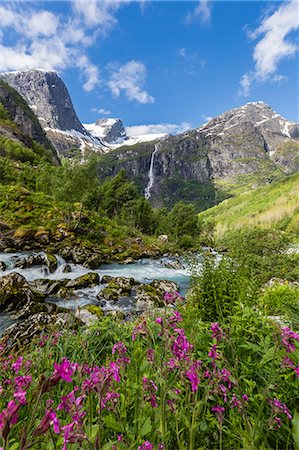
<point x="151" y="176"/>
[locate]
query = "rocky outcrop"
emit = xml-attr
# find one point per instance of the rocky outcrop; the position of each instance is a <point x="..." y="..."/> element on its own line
<point x="109" y="130"/>
<point x="48" y="98"/>
<point x="117" y="287"/>
<point x="15" y="292"/>
<point x="27" y="127"/>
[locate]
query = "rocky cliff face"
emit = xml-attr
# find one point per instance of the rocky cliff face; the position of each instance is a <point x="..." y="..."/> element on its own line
<point x="47" y="96"/>
<point x="27" y="126"/>
<point x="49" y="99"/>
<point x="245" y="146"/>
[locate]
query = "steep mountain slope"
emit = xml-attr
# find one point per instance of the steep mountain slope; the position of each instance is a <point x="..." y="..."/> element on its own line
<point x="19" y="124"/>
<point x="48" y="97"/>
<point x="275" y="204"/>
<point x="243" y="148"/>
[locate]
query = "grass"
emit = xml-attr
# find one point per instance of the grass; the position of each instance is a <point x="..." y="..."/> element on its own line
<point x="265" y="206"/>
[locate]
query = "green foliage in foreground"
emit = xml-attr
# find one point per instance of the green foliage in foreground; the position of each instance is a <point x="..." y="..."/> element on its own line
<point x="175" y="385"/>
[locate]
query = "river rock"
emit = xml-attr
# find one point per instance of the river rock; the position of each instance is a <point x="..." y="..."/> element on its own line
<point x="147" y="297"/>
<point x="93" y="262"/>
<point x="22" y="333"/>
<point x="47" y="287"/>
<point x="39" y="259"/>
<point x="51" y="262"/>
<point x="151" y="295"/>
<point x="89" y="314"/>
<point x="174" y="265"/>
<point x="15" y="292"/>
<point x="106" y="279"/>
<point x="162" y="286"/>
<point x="66" y="268"/>
<point x="117" y="287"/>
<point x="88" y="280"/>
<point x="2" y="266"/>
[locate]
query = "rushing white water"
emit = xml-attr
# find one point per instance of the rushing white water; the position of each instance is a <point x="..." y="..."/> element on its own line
<point x="151" y="175"/>
<point x="144" y="271"/>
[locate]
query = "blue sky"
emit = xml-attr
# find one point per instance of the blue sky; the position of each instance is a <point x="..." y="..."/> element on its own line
<point x="171" y="64"/>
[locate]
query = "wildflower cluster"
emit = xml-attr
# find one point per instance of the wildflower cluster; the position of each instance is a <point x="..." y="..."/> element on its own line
<point x="155" y="389"/>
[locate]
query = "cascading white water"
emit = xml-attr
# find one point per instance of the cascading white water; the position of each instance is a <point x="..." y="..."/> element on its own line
<point x="151" y="175"/>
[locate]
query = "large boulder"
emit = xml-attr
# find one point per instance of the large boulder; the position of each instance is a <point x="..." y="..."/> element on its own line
<point x="47" y="287"/>
<point x="90" y="279"/>
<point x="15" y="292"/>
<point x="117" y="287"/>
<point x="39" y="259"/>
<point x="163" y="286"/>
<point x="89" y="314"/>
<point x="22" y="333"/>
<point x="151" y="295"/>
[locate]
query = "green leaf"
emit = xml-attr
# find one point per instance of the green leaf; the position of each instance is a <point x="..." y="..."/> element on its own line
<point x="14" y="446"/>
<point x="111" y="423"/>
<point x="268" y="356"/>
<point x="295" y="432"/>
<point x="146" y="427"/>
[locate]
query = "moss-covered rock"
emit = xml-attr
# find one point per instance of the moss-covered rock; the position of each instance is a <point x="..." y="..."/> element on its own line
<point x="117" y="287"/>
<point x="88" y="280"/>
<point x="147" y="297"/>
<point x="15" y="292"/>
<point x="23" y="233"/>
<point x="89" y="314"/>
<point x="47" y="287"/>
<point x="94" y="309"/>
<point x="51" y="262"/>
<point x="22" y="333"/>
<point x="93" y="262"/>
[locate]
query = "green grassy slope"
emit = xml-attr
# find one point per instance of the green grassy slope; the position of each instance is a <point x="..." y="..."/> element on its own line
<point x="276" y="204"/>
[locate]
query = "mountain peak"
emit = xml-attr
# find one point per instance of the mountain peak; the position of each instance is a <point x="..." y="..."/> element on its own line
<point x="47" y="96"/>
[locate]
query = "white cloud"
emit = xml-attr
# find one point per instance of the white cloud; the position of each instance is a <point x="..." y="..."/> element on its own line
<point x="130" y="79"/>
<point x="274" y="46"/>
<point x="52" y="42"/>
<point x="182" y="52"/>
<point x="169" y="128"/>
<point x="102" y="111"/>
<point x="98" y="13"/>
<point x="90" y="72"/>
<point x="206" y="118"/>
<point x="42" y="23"/>
<point x="201" y="12"/>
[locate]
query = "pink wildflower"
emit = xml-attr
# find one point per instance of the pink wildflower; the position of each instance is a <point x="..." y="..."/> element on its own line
<point x="151" y="355"/>
<point x="16" y="366"/>
<point x="146" y="446"/>
<point x="217" y="332"/>
<point x="288" y="337"/>
<point x="140" y="329"/>
<point x="50" y="418"/>
<point x="219" y="411"/>
<point x="64" y="370"/>
<point x="120" y="348"/>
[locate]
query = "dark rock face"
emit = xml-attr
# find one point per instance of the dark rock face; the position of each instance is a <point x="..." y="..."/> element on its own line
<point x="113" y="129"/>
<point x="28" y="125"/>
<point x="48" y="96"/>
